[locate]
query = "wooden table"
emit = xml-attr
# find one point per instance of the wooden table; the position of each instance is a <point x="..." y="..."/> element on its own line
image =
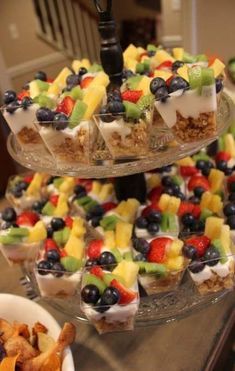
<point x="186" y="345"/>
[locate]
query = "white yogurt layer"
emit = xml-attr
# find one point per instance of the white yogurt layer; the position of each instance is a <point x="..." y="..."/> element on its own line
<point x="50" y="285"/>
<point x="188" y="104"/>
<point x="118" y="126"/>
<point x="21" y="118"/>
<point x="220" y="269"/>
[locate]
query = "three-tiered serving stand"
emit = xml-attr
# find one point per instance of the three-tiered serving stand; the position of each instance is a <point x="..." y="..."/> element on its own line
<point x="153" y="309"/>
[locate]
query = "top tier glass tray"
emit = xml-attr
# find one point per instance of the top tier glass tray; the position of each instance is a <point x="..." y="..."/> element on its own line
<point x="165" y="152"/>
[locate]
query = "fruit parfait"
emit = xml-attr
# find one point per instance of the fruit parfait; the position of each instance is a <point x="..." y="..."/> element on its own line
<point x="20" y="236"/>
<point x="23" y="190"/>
<point x="161" y="263"/>
<point x="58" y="184"/>
<point x="110" y="300"/>
<point x="212" y="263"/>
<point x="188" y="104"/>
<point x="60" y="261"/>
<point x="125" y="124"/>
<point x="56" y="206"/>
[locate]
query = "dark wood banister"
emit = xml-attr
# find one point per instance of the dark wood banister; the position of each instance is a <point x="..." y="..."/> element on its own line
<point x="87" y="10"/>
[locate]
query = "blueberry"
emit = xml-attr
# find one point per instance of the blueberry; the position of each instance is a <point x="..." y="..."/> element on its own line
<point x="198" y="191"/>
<point x="7" y="225"/>
<point x="3" y="352"/>
<point x="201" y="164"/>
<point x="115" y="107"/>
<point x="162" y="94"/>
<point x="180" y="195"/>
<point x="188" y="220"/>
<point x="100" y="307"/>
<point x="178" y="83"/>
<point x="80" y="195"/>
<point x="9" y="214"/>
<point x="167" y="181"/>
<point x="40" y="75"/>
<point x="206" y="170"/>
<point x="211" y="256"/>
<point x="82" y="71"/>
<point x="110" y="296"/>
<point x="12" y="107"/>
<point x="218" y="85"/>
<point x="60" y="121"/>
<point x="44" y="115"/>
<point x="17" y="192"/>
<point x="151" y="53"/>
<point x="221" y="165"/>
<point x="127" y="73"/>
<point x="141" y="245"/>
<point x="231" y="221"/>
<point x="38" y="206"/>
<point x="91" y="262"/>
<point x="169" y="191"/>
<point x="141" y="222"/>
<point x="228" y="171"/>
<point x="95" y="221"/>
<point x="43" y="267"/>
<point x="79" y="189"/>
<point x="23" y="185"/>
<point x="53" y="255"/>
<point x="57" y="224"/>
<point x="140" y="258"/>
<point x="231" y="197"/>
<point x="176" y="188"/>
<point x="105" y="114"/>
<point x="114" y="96"/>
<point x="196" y="266"/>
<point x="154" y="216"/>
<point x="50" y="231"/>
<point x="176" y="65"/>
<point x="90" y="294"/>
<point x="156" y="84"/>
<point x="194" y="200"/>
<point x="153" y="228"/>
<point x="107" y="259"/>
<point x="229" y="209"/>
<point x="190" y="252"/>
<point x="96" y="210"/>
<point x="26" y="102"/>
<point x="232" y="186"/>
<point x="58" y="269"/>
<point x="9" y="96"/>
<point x="73" y="80"/>
<point x="199" y="226"/>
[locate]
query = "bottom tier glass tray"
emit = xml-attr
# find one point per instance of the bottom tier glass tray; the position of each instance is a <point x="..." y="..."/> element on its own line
<point x="153" y="310"/>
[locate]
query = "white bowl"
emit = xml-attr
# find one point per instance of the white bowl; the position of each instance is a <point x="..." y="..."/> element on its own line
<point x="17" y="308"/>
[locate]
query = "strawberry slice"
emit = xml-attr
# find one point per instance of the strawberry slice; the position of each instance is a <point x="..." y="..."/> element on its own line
<point x="63" y="253"/>
<point x="155" y="194"/>
<point x="185" y="207"/>
<point x="188" y="170"/>
<point x="200" y="243"/>
<point x="23" y="94"/>
<point x="109" y="206"/>
<point x="158" y="248"/>
<point x="230" y="182"/>
<point x="94" y="249"/>
<point x="69" y="222"/>
<point x="164" y="65"/>
<point x="66" y="106"/>
<point x="142" y="55"/>
<point x="50" y="244"/>
<point x="222" y="156"/>
<point x="97" y="271"/>
<point x="196" y="211"/>
<point x="28" y="178"/>
<point x="86" y="82"/>
<point x="126" y="295"/>
<point x="132" y="95"/>
<point x="85" y="183"/>
<point x="198" y="181"/>
<point x="54" y="199"/>
<point x="50" y="80"/>
<point x="145" y="212"/>
<point x="28" y="218"/>
<point x="168" y="81"/>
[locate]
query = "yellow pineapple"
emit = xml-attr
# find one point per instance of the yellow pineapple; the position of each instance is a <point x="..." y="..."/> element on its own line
<point x="35" y="186"/>
<point x="130" y="64"/>
<point x="123" y="234"/>
<point x="128" y="270"/>
<point x="175" y="249"/>
<point x="178" y="53"/>
<point x="144" y="85"/>
<point x="216" y="204"/>
<point x="60" y="80"/>
<point x="106" y="191"/>
<point x="76" y="65"/>
<point x="186" y="161"/>
<point x="175" y="264"/>
<point x="140" y="50"/>
<point x="218" y="67"/>
<point x="205" y="200"/>
<point x="130" y="52"/>
<point x="120" y="208"/>
<point x="62" y="206"/>
<point x="109" y="240"/>
<point x="153" y="181"/>
<point x="225" y="238"/>
<point x="68" y="185"/>
<point x="101" y="79"/>
<point x="165" y="75"/>
<point x="173" y="205"/>
<point x="162" y="56"/>
<point x="75" y="247"/>
<point x="78" y="228"/>
<point x="183" y="72"/>
<point x="229" y="144"/>
<point x="96" y="187"/>
<point x="93" y="98"/>
<point x="130" y="210"/>
<point x="213" y="227"/>
<point x="216" y="179"/>
<point x="37" y="233"/>
<point x="164" y="201"/>
<point x="86" y="63"/>
<point x="54" y="89"/>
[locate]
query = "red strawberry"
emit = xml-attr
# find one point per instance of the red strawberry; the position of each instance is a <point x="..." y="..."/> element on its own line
<point x="86" y="82"/>
<point x="66" y="106"/>
<point x="108" y="206"/>
<point x="97" y="271"/>
<point x="185" y="207"/>
<point x="222" y="156"/>
<point x="155" y="194"/>
<point x="188" y="170"/>
<point x="69" y="222"/>
<point x="169" y="80"/>
<point x="158" y="249"/>
<point x="142" y="55"/>
<point x="132" y="95"/>
<point x="86" y="183"/>
<point x="230" y="182"/>
<point x="23" y="94"/>
<point x="201" y="243"/>
<point x="148" y="209"/>
<point x="50" y="244"/>
<point x="126" y="295"/>
<point x="196" y="211"/>
<point x="28" y="178"/>
<point x="94" y="249"/>
<point x="54" y="199"/>
<point x="164" y="65"/>
<point x="27" y="218"/>
<point x="50" y="80"/>
<point x="151" y="74"/>
<point x="63" y="253"/>
<point x="198" y="181"/>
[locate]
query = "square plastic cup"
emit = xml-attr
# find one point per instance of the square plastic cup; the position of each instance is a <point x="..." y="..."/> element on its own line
<point x="215" y="276"/>
<point x="20" y="121"/>
<point x="126" y="139"/>
<point x="20" y="253"/>
<point x="70" y="147"/>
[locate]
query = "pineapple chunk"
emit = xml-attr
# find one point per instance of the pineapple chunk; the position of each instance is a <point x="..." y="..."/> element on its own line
<point x="175" y="264"/>
<point x="75" y="247"/>
<point x="93" y="98"/>
<point x="140" y="50"/>
<point x="76" y="65"/>
<point x="215" y="204"/>
<point x="229" y="144"/>
<point x="67" y="185"/>
<point x="130" y="210"/>
<point x="165" y="75"/>
<point x="60" y="80"/>
<point x="175" y="248"/>
<point x="62" y="206"/>
<point x="205" y="200"/>
<point x="173" y="205"/>
<point x="178" y="53"/>
<point x="218" y="67"/>
<point x="35" y="186"/>
<point x="130" y="52"/>
<point x="162" y="56"/>
<point x="144" y="85"/>
<point x="183" y="72"/>
<point x="109" y="240"/>
<point x="86" y="63"/>
<point x="96" y="187"/>
<point x="153" y="181"/>
<point x="100" y="79"/>
<point x="105" y="192"/>
<point x="37" y="233"/>
<point x="123" y="234"/>
<point x="226" y="239"/>
<point x="130" y="64"/>
<point x="164" y="201"/>
<point x="120" y="208"/>
<point x="187" y="161"/>
<point x="213" y="227"/>
<point x="54" y="89"/>
<point x="216" y="179"/>
<point x="128" y="270"/>
<point x="78" y="228"/>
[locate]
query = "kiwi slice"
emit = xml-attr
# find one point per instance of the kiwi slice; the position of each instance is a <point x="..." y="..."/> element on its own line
<point x="201" y="58"/>
<point x="155" y="268"/>
<point x="146" y="64"/>
<point x="128" y="256"/>
<point x="151" y="48"/>
<point x="145" y="101"/>
<point x="108" y="277"/>
<point x="109" y="222"/>
<point x="140" y="68"/>
<point x="79" y="110"/>
<point x="83" y="200"/>
<point x="218" y="245"/>
<point x="208" y="77"/>
<point x="164" y="222"/>
<point x="90" y="205"/>
<point x="71" y="264"/>
<point x="65" y="235"/>
<point x="172" y="224"/>
<point x="201" y="156"/>
<point x="221" y="143"/>
<point x="48" y="209"/>
<point x="10" y="240"/>
<point x="133" y="82"/>
<point x="132" y="110"/>
<point x="18" y="232"/>
<point x="42" y="85"/>
<point x="57" y="182"/>
<point x="177" y="179"/>
<point x="44" y="101"/>
<point x="91" y="279"/>
<point x="95" y="67"/>
<point x="205" y="214"/>
<point x="58" y="237"/>
<point x="117" y="254"/>
<point x="189" y="58"/>
<point x="195" y="77"/>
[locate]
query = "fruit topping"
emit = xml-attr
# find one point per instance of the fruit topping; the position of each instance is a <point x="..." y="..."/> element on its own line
<point x="28" y="218"/>
<point x="212" y="256"/>
<point x="126" y="295"/>
<point x="178" y="83"/>
<point x="196" y="266"/>
<point x="90" y="294"/>
<point x="200" y="243"/>
<point x="157" y="252"/>
<point x="94" y="249"/>
<point x="107" y="260"/>
<point x="9" y="214"/>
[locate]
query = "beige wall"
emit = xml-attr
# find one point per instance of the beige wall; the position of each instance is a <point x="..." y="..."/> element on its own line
<point x="171" y="19"/>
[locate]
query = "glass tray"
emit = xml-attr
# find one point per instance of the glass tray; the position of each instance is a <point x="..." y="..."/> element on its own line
<point x="164" y="152"/>
<point x="154" y="309"/>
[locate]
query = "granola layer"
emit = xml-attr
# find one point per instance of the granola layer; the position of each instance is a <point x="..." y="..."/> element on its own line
<point x="217" y="283"/>
<point x="103" y="326"/>
<point x="161" y="284"/>
<point x="29" y="136"/>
